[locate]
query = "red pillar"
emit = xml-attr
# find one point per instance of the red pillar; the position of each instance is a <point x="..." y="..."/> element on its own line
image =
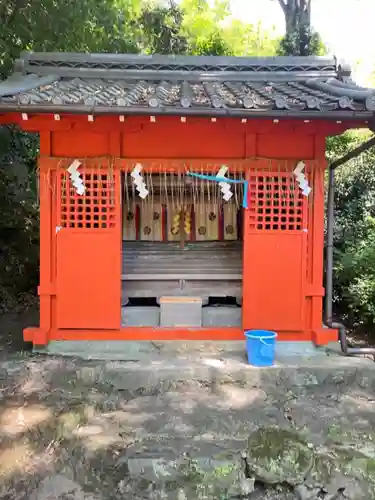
<point x="46" y="284"/>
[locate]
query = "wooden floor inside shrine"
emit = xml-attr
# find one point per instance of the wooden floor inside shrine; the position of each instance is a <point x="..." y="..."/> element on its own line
<point x="207" y="270"/>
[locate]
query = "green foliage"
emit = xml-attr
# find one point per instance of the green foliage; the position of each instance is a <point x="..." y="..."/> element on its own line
<point x="66" y="25"/>
<point x="209" y="31"/>
<point x="250" y="40"/>
<point x="161" y="29"/>
<point x="303" y="41"/>
<point x="214" y="45"/>
<point x="358" y="269"/>
<point x="19" y="230"/>
<point x="354" y="232"/>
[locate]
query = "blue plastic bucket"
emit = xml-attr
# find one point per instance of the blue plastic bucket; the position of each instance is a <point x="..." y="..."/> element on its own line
<point x="260" y="346"/>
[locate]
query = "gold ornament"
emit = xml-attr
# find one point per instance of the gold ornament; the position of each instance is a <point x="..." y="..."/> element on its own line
<point x="187" y="223"/>
<point x="176" y="224"/>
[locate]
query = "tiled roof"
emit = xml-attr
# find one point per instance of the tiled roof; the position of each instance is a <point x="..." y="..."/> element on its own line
<point x="135" y="84"/>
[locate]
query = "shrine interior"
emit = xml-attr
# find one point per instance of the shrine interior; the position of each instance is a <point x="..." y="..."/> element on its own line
<point x="181" y="251"/>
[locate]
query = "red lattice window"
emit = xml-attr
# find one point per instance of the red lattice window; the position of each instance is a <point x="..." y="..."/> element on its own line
<point x="275" y="202"/>
<point x="95" y="209"/>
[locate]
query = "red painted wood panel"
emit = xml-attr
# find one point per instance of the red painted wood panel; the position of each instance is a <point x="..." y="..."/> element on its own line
<point x="273" y="287"/>
<point x="80" y="144"/>
<point x="184" y="140"/>
<point x="88" y="279"/>
<point x="283" y="145"/>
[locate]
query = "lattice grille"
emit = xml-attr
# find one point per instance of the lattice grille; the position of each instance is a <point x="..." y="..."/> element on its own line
<point x="96" y="209"/>
<point x="275" y="202"/>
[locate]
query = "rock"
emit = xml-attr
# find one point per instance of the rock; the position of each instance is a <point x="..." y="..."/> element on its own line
<point x="58" y="487"/>
<point x="364" y="381"/>
<point x="154" y="470"/>
<point x="324" y="469"/>
<point x="279" y="456"/>
<point x="355" y="464"/>
<point x="181" y="495"/>
<point x="353" y="491"/>
<point x="338" y="378"/>
<point x="339" y="483"/>
<point x="302" y="379"/>
<point x="343" y="471"/>
<point x="222" y="474"/>
<point x="303" y="492"/>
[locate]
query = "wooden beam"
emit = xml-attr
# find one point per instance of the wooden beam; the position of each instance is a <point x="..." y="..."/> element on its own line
<point x="181" y="276"/>
<point x="7" y="119"/>
<point x="354" y="153"/>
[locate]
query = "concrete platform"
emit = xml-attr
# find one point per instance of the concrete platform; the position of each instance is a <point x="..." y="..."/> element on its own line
<point x="154" y="364"/>
<point x="145" y="350"/>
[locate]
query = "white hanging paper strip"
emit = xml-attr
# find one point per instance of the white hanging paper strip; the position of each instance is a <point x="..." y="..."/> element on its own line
<point x="75" y="177"/>
<point x="300" y="167"/>
<point x="224" y="186"/>
<point x="138" y="181"/>
<point x="303" y="183"/>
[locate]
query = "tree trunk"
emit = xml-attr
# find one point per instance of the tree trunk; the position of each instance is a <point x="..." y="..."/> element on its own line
<point x="297" y="15"/>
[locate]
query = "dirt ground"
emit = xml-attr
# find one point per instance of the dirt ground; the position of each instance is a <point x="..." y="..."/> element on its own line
<point x="63" y="436"/>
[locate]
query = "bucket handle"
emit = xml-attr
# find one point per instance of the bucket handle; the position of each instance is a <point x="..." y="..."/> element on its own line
<point x="265" y="343"/>
<point x="262" y="339"/>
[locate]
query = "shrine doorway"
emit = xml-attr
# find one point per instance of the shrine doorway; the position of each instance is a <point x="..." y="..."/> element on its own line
<point x="181" y="252"/>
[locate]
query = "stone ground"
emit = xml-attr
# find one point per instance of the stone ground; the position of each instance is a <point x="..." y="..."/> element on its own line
<point x="90" y="430"/>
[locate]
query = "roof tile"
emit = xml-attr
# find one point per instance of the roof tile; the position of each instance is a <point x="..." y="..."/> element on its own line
<point x="181" y="85"/>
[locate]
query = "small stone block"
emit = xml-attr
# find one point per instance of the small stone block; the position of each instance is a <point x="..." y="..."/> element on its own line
<point x="222" y="316"/>
<point x="180" y="312"/>
<point x="140" y="316"/>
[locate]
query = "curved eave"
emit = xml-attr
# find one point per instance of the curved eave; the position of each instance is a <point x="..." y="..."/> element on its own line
<point x="206" y="112"/>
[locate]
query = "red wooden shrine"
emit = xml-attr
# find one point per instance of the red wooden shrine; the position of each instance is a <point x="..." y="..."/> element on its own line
<point x="259" y="117"/>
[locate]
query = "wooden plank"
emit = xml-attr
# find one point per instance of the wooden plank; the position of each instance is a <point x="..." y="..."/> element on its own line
<point x="179" y="300"/>
<point x="206" y="221"/>
<point x="151" y="221"/>
<point x="129" y="230"/>
<point x="198" y="264"/>
<point x="204" y="289"/>
<point x="181" y="276"/>
<point x="230" y="221"/>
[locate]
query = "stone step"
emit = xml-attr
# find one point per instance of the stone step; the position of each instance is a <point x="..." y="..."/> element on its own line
<point x="289" y="372"/>
<point x="162" y="364"/>
<point x="207" y="472"/>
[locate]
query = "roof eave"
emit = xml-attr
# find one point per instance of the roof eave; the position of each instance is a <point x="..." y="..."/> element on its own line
<point x="204" y="112"/>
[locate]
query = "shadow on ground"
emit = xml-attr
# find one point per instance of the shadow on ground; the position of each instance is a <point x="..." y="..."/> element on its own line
<point x="69" y="431"/>
<point x="60" y="434"/>
<point x="11" y="328"/>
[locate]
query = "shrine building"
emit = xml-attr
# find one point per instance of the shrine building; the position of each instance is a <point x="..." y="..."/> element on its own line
<point x="181" y="197"/>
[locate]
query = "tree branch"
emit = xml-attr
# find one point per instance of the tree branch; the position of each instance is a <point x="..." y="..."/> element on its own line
<point x="354" y="153"/>
<point x="283" y="6"/>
